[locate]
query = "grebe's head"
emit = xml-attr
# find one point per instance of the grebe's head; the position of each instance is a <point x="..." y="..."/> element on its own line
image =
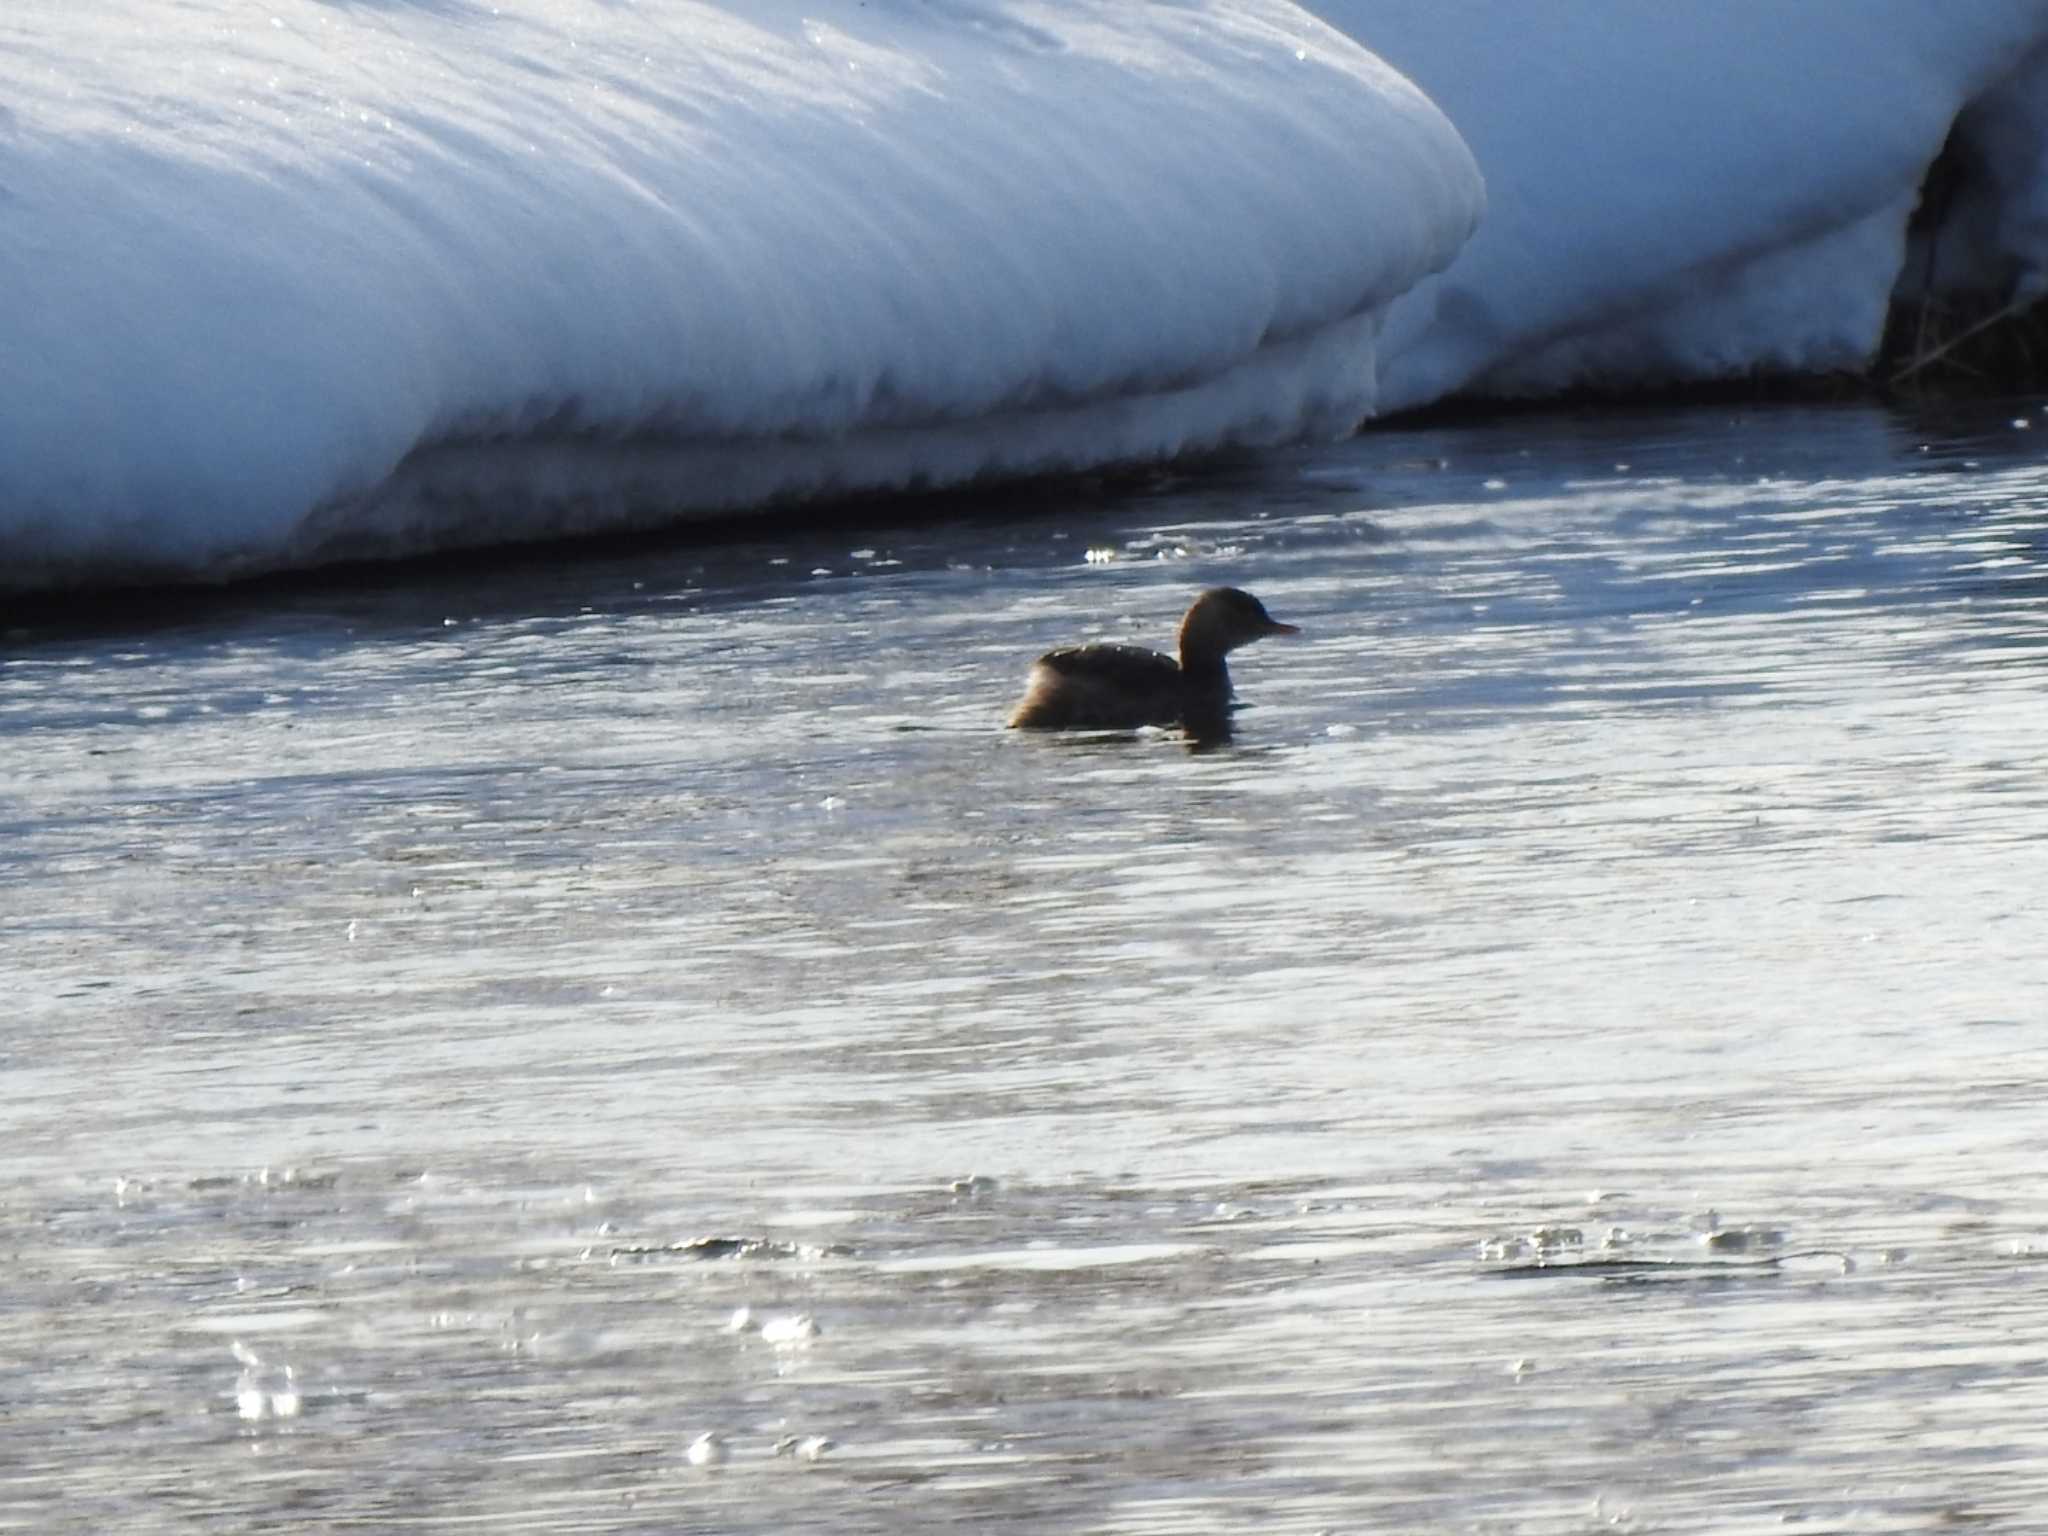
<point x="1222" y="619"/>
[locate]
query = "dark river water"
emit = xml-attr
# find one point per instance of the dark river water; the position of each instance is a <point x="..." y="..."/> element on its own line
<point x="1573" y="1062"/>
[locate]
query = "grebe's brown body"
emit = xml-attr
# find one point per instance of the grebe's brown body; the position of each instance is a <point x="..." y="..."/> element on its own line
<point x="1121" y="687"/>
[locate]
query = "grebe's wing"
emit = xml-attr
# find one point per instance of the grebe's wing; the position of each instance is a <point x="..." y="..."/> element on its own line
<point x="1116" y="666"/>
<point x="1104" y="687"/>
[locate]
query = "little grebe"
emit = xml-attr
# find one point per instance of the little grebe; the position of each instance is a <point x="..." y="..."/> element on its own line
<point x="1121" y="687"/>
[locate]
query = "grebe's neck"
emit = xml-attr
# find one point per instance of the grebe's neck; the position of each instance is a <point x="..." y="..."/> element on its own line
<point x="1202" y="667"/>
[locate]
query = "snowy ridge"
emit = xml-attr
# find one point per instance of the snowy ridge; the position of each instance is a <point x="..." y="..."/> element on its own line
<point x="1693" y="189"/>
<point x="325" y="278"/>
<point x="290" y="282"/>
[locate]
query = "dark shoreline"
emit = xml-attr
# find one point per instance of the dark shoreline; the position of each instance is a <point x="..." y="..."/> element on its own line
<point x="1936" y="392"/>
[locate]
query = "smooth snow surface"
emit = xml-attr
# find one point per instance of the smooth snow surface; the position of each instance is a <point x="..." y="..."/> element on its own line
<point x="1694" y="189"/>
<point x="292" y="282"/>
<point x="296" y="282"/>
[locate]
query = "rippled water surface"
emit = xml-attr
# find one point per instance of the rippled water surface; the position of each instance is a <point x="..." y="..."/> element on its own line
<point x="1574" y="1062"/>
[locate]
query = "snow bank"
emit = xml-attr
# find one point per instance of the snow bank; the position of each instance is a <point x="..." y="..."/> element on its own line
<point x="287" y="282"/>
<point x="1695" y="188"/>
